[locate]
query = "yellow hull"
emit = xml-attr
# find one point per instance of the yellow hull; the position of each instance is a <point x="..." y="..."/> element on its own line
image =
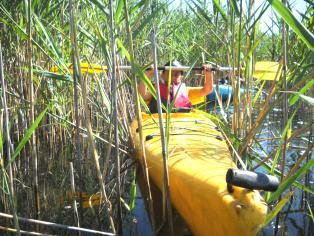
<point x="198" y="161"/>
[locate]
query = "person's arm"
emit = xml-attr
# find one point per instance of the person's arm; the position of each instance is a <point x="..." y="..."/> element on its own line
<point x="207" y="87"/>
<point x="142" y="88"/>
<point x="208" y="84"/>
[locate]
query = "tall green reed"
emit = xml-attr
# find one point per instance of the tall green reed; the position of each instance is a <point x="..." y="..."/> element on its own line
<point x="7" y="180"/>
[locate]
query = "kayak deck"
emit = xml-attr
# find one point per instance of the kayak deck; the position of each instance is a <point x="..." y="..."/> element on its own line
<point x="198" y="161"/>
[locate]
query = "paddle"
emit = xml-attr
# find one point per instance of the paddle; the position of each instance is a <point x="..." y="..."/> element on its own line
<point x="264" y="70"/>
<point x="190" y="68"/>
<point x="96" y="68"/>
<point x="267" y="70"/>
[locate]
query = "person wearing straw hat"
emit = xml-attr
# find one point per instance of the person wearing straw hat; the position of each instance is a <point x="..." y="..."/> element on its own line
<point x="178" y="90"/>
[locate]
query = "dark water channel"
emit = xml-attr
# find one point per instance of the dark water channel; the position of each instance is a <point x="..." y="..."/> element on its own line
<point x="295" y="219"/>
<point x="141" y="221"/>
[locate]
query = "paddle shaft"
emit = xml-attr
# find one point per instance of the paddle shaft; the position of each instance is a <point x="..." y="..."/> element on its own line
<point x="184" y="68"/>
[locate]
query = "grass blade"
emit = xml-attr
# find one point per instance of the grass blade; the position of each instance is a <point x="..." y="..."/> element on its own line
<point x="133" y="193"/>
<point x="144" y="23"/>
<point x="276" y="157"/>
<point x="50" y="42"/>
<point x="292" y="179"/>
<point x="294" y="23"/>
<point x="118" y="11"/>
<point x="235" y="7"/>
<point x="202" y="12"/>
<point x="52" y="75"/>
<point x="277" y="173"/>
<point x="308" y="99"/>
<point x="28" y="135"/>
<point x="310" y="210"/>
<point x="19" y="30"/>
<point x="101" y="6"/>
<point x="300" y="94"/>
<point x="219" y="8"/>
<point x="260" y="90"/>
<point x="270" y="216"/>
<point x="138" y="71"/>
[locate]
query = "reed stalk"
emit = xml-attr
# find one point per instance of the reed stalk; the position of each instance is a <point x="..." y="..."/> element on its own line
<point x="249" y="68"/>
<point x="55" y="225"/>
<point x="306" y="195"/>
<point x="285" y="111"/>
<point x="76" y="215"/>
<point x="139" y="117"/>
<point x="115" y="115"/>
<point x="95" y="155"/>
<point x="76" y="76"/>
<point x="285" y="87"/>
<point x="6" y="130"/>
<point x="7" y="229"/>
<point x="261" y="116"/>
<point x="84" y="130"/>
<point x="233" y="63"/>
<point x="237" y="86"/>
<point x="162" y="131"/>
<point x="32" y="109"/>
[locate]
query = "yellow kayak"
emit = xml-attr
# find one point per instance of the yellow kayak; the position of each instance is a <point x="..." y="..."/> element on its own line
<point x="198" y="161"/>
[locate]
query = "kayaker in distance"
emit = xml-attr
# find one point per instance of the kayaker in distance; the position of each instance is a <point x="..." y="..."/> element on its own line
<point x="184" y="93"/>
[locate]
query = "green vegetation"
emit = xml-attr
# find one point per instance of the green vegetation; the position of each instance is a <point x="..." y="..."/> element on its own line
<point x="51" y="119"/>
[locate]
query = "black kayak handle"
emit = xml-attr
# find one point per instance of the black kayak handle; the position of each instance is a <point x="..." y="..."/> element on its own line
<point x="251" y="180"/>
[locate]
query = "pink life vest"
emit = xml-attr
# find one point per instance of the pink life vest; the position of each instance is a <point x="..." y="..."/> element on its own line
<point x="182" y="98"/>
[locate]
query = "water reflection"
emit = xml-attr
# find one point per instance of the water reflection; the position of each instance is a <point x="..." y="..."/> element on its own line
<point x="140" y="223"/>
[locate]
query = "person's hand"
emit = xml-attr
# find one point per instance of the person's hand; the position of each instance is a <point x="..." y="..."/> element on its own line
<point x="150" y="71"/>
<point x="207" y="68"/>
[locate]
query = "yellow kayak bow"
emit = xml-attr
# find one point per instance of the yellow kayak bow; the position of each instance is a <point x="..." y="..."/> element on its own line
<point x="198" y="162"/>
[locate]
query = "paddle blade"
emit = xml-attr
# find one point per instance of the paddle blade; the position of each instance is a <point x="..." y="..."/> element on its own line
<point x="85" y="67"/>
<point x="266" y="70"/>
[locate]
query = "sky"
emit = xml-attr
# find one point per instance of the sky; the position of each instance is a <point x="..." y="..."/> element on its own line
<point x="297" y="6"/>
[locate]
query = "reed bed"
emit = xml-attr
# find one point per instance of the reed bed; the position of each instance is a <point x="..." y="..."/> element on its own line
<point x="65" y="132"/>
